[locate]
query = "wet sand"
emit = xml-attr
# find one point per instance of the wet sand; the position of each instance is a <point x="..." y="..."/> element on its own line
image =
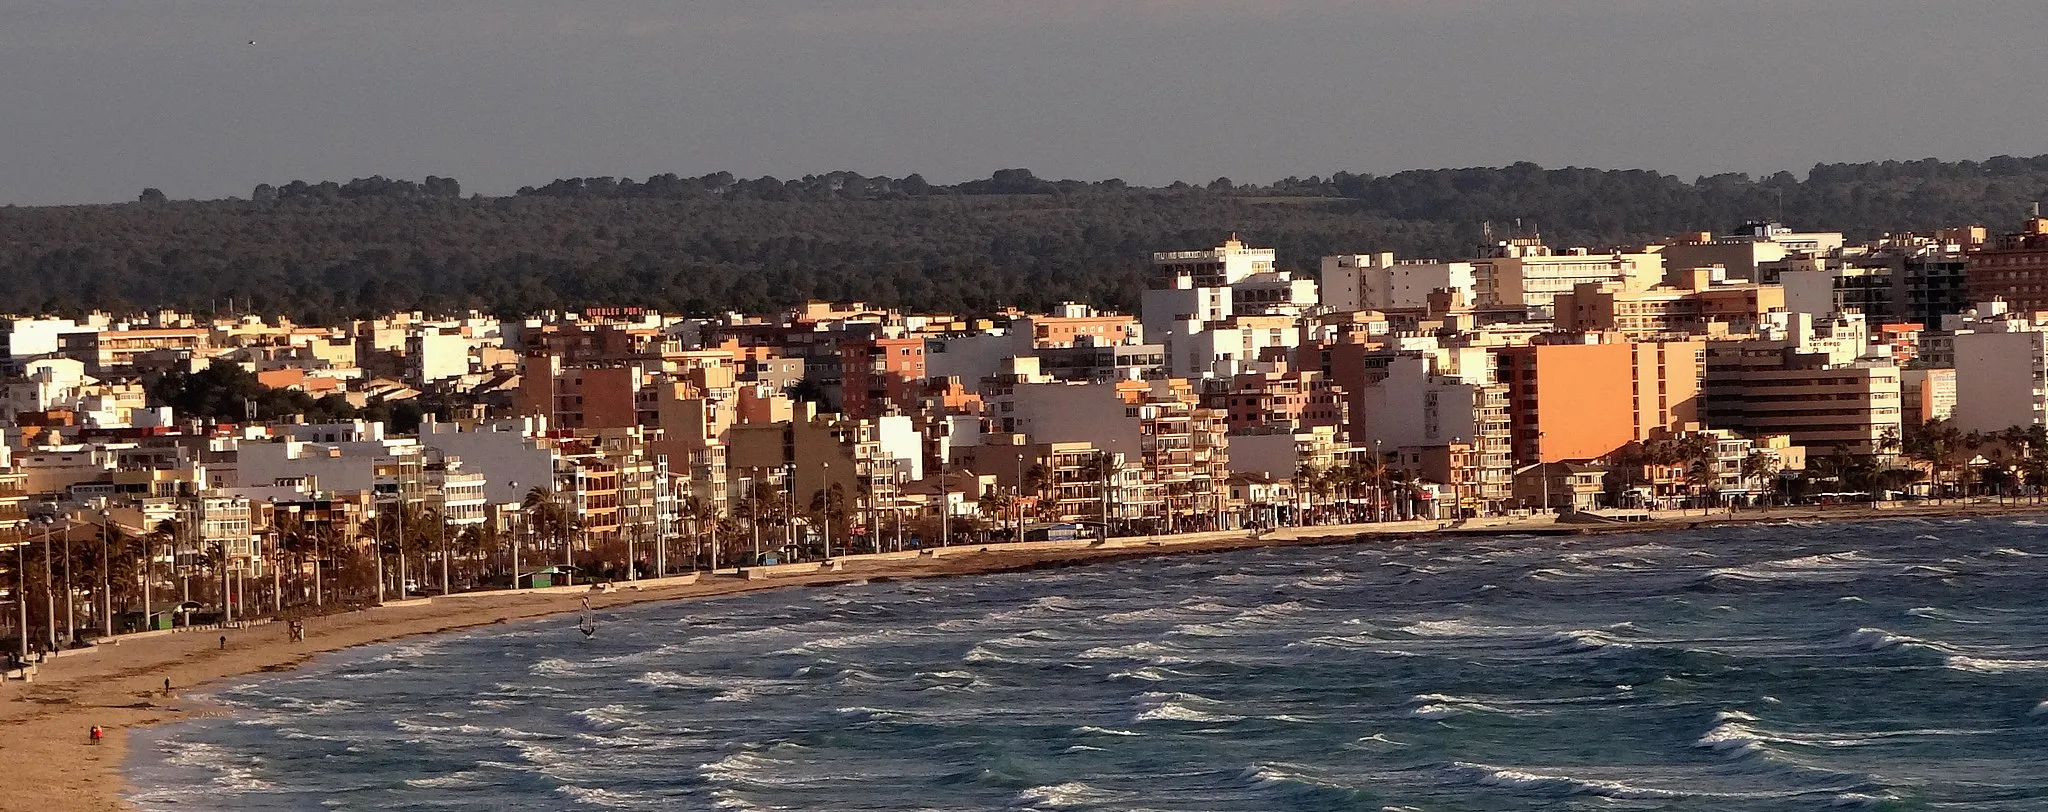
<point x="119" y="685"/>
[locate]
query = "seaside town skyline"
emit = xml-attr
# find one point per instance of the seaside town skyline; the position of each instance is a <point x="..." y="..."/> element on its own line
<point x="239" y="465"/>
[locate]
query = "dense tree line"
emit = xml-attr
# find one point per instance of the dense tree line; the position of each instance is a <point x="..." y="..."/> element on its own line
<point x="226" y="392"/>
<point x="328" y="250"/>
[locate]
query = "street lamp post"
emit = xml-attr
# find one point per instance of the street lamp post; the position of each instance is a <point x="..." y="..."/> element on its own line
<point x="789" y="504"/>
<point x="148" y="582"/>
<point x="49" y="582"/>
<point x="441" y="537"/>
<point x="748" y="487"/>
<point x="106" y="577"/>
<point x="70" y="599"/>
<point x="400" y="506"/>
<point x="21" y="593"/>
<point x="517" y="537"/>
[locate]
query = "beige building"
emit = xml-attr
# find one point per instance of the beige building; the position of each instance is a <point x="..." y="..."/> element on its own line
<point x="1759" y="387"/>
<point x="1696" y="307"/>
<point x="1526" y="273"/>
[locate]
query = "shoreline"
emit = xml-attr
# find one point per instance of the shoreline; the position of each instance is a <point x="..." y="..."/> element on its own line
<point x="118" y="685"/>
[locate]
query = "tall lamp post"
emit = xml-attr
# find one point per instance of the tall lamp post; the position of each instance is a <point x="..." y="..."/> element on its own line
<point x="825" y="486"/>
<point x="106" y="576"/>
<point x="49" y="581"/>
<point x="516" y="538"/>
<point x="21" y="592"/>
<point x="70" y="596"/>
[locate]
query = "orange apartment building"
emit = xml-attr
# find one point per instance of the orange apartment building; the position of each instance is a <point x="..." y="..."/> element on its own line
<point x="879" y="372"/>
<point x="2013" y="267"/>
<point x="1065" y="330"/>
<point x="1583" y="401"/>
<point x="579" y="397"/>
<point x="1297" y="399"/>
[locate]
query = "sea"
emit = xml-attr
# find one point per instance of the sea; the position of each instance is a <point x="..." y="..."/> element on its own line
<point x="1883" y="665"/>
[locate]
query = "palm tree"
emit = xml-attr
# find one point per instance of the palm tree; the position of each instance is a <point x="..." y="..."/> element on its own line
<point x="474" y="546"/>
<point x="293" y="539"/>
<point x="329" y="541"/>
<point x="171" y="532"/>
<point x="702" y="517"/>
<point x="547" y="517"/>
<point x="1700" y="478"/>
<point x="1405" y="482"/>
<point x="1935" y="444"/>
<point x="1760" y="470"/>
<point x="995" y="505"/>
<point x="1370" y="472"/>
<point x="828" y="507"/>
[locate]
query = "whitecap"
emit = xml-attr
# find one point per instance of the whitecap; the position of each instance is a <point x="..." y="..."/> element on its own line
<point x="1491" y="776"/>
<point x="1106" y="731"/>
<point x="1070" y="795"/>
<point x="1936" y="613"/>
<point x="1870" y="639"/>
<point x="1180" y="707"/>
<point x="1992" y="665"/>
<point x="613" y="717"/>
<point x="592" y="796"/>
<point x="1584" y="640"/>
<point x="1145" y="650"/>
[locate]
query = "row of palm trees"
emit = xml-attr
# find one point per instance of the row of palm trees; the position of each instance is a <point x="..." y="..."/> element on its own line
<point x="92" y="576"/>
<point x="1363" y="488"/>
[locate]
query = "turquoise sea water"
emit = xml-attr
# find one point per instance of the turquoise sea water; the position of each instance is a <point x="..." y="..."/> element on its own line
<point x="1895" y="665"/>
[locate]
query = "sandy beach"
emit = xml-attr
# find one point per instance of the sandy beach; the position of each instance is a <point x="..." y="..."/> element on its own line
<point x="119" y="685"/>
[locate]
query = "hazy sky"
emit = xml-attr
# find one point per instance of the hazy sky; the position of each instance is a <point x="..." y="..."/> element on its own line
<point x="99" y="99"/>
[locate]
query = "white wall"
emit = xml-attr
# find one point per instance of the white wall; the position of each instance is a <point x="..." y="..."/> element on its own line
<point x="1994" y="380"/>
<point x="971" y="358"/>
<point x="444" y="356"/>
<point x="1413" y="408"/>
<point x="1809" y="291"/>
<point x="501" y="452"/>
<point x="1075" y="413"/>
<point x="1272" y="455"/>
<point x="900" y="440"/>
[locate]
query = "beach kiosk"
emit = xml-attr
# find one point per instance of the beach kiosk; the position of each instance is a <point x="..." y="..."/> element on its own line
<point x="1063" y="531"/>
<point x="546" y="577"/>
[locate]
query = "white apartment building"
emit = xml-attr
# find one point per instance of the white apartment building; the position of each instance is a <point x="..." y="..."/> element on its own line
<point x="386" y="467"/>
<point x="1745" y="255"/>
<point x="1213" y="312"/>
<point x="1413" y="405"/>
<point x="1380" y="282"/>
<point x="1526" y="273"/>
<point x="513" y="451"/>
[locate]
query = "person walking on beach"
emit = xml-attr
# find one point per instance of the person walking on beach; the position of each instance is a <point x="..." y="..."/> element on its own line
<point x="223" y="642"/>
<point x="167" y="686"/>
<point x="96" y="733"/>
